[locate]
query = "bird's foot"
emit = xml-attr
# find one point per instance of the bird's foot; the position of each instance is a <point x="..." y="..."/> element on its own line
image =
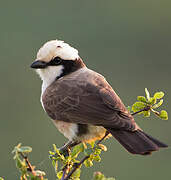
<point x="62" y="151"/>
<point x="65" y="149"/>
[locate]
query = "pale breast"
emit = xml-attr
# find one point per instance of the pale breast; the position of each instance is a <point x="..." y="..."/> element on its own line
<point x="69" y="130"/>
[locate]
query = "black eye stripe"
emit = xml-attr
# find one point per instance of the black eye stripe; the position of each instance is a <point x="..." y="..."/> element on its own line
<point x="55" y="61"/>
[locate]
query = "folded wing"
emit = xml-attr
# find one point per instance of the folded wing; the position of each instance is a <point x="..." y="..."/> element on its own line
<point x="89" y="100"/>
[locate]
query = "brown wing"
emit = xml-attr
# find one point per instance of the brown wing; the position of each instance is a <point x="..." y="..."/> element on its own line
<point x="86" y="99"/>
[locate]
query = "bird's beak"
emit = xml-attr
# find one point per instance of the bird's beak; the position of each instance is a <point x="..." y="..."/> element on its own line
<point x="38" y="64"/>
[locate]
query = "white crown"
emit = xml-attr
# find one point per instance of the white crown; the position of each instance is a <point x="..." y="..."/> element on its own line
<point x="54" y="48"/>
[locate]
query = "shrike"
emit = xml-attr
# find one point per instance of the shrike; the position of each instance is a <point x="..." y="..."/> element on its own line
<point x="82" y="104"/>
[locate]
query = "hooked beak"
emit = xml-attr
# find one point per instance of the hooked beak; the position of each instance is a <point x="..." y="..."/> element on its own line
<point x="38" y="64"/>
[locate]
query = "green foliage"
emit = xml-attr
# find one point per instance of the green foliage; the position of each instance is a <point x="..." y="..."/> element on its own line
<point x="163" y="115"/>
<point x="100" y="176"/>
<point x="27" y="171"/>
<point x="1" y="178"/>
<point x="76" y="150"/>
<point x="137" y="106"/>
<point x="60" y="161"/>
<point x="148" y="104"/>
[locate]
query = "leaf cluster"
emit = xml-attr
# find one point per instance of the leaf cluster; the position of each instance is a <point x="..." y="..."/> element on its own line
<point x="66" y="163"/>
<point x="100" y="176"/>
<point x="27" y="171"/>
<point x="147" y="104"/>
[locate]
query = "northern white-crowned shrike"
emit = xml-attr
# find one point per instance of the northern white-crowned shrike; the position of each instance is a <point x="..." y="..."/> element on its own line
<point x="82" y="104"/>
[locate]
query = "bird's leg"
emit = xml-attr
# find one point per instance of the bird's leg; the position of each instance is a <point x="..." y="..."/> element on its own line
<point x="106" y="134"/>
<point x="65" y="148"/>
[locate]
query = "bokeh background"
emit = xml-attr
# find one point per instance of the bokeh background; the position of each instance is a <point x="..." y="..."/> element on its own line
<point x="129" y="42"/>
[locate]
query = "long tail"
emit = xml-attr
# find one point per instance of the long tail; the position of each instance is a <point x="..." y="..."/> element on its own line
<point x="137" y="142"/>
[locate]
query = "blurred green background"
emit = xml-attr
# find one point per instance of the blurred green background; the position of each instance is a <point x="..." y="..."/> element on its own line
<point x="128" y="42"/>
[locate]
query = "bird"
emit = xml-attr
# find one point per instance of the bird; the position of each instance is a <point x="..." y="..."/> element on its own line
<point x="82" y="104"/>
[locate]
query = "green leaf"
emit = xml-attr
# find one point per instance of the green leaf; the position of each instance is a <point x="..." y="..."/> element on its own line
<point x="97" y="158"/>
<point x="51" y="153"/>
<point x="88" y="163"/>
<point x="58" y="153"/>
<point x="77" y="149"/>
<point x="15" y="150"/>
<point x="1" y="178"/>
<point x="55" y="165"/>
<point x="138" y="106"/>
<point x="147" y="94"/>
<point x="56" y="149"/>
<point x="158" y="104"/>
<point x="97" y="151"/>
<point x="103" y="147"/>
<point x="146" y="113"/>
<point x="92" y="157"/>
<point x="163" y="115"/>
<point x="40" y="173"/>
<point x="142" y="99"/>
<point x="19" y="163"/>
<point x="98" y="176"/>
<point x="87" y="152"/>
<point x="25" y="149"/>
<point x="59" y="174"/>
<point x="92" y="144"/>
<point x="85" y="145"/>
<point x="152" y="100"/>
<point x="159" y="95"/>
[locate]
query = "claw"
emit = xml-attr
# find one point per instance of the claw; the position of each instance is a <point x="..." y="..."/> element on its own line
<point x="64" y="151"/>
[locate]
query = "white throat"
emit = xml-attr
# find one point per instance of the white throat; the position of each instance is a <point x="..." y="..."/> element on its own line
<point x="49" y="74"/>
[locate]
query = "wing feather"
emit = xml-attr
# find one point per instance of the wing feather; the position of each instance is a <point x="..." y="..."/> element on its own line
<point x="86" y="99"/>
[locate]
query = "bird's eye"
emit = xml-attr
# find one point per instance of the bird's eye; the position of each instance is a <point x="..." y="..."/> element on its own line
<point x="55" y="61"/>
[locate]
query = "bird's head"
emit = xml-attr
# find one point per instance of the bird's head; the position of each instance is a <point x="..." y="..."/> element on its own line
<point x="56" y="59"/>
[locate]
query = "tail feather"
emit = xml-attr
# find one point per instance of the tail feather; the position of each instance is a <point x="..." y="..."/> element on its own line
<point x="137" y="142"/>
<point x="157" y="142"/>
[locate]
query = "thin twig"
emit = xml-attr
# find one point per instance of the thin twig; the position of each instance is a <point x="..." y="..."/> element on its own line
<point x="64" y="172"/>
<point x="30" y="167"/>
<point x="147" y="108"/>
<point x="75" y="167"/>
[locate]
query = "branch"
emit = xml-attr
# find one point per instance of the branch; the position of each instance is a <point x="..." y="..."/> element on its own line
<point x="75" y="167"/>
<point x="30" y="167"/>
<point x="65" y="169"/>
<point x="147" y="108"/>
